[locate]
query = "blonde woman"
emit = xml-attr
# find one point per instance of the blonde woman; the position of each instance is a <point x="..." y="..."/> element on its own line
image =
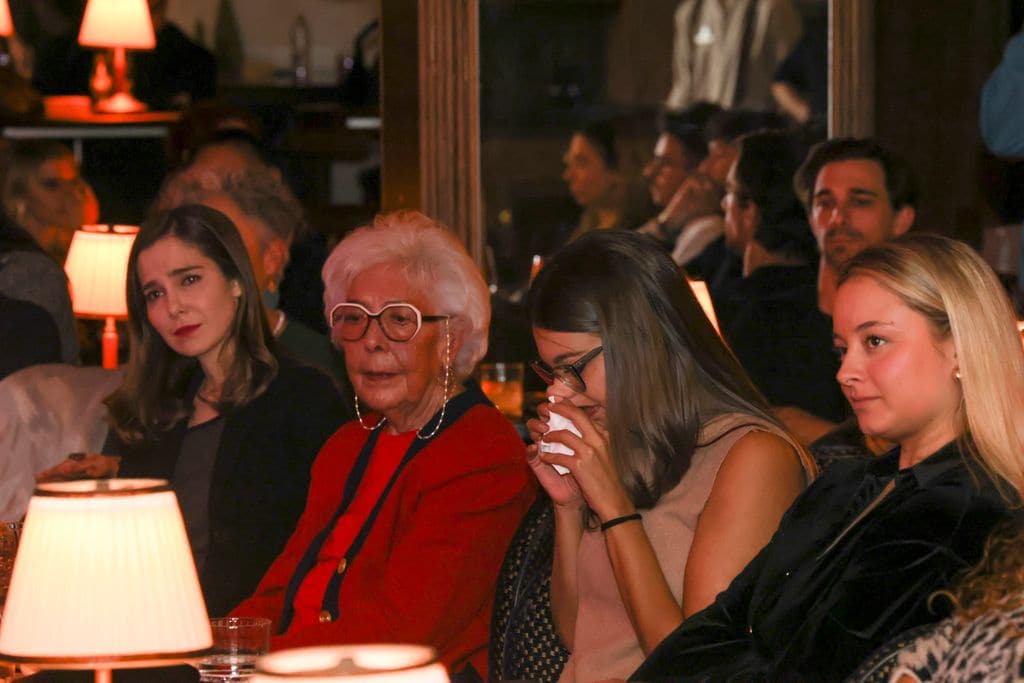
<point x="931" y="360"/>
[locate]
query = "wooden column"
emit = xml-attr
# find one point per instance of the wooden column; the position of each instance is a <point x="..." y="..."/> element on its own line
<point x="450" y="117"/>
<point x="851" y="100"/>
<point x="430" y="132"/>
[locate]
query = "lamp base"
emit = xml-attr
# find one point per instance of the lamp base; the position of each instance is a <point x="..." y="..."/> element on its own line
<point x="119" y="103"/>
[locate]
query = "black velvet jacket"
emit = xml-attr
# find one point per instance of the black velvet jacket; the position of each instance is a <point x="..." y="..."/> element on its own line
<point x="260" y="476"/>
<point x="807" y="610"/>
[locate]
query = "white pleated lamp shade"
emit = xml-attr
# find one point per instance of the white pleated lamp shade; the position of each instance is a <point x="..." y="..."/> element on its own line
<point x="117" y="23"/>
<point x="97" y="267"/>
<point x="104" y="577"/>
<point x="352" y="664"/>
<point x="703" y="296"/>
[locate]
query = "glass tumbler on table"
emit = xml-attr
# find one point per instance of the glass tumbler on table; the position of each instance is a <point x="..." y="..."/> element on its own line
<point x="237" y="642"/>
<point x="503" y="385"/>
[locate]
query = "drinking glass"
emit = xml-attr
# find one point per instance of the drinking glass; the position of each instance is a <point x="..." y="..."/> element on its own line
<point x="237" y="642"/>
<point x="503" y="384"/>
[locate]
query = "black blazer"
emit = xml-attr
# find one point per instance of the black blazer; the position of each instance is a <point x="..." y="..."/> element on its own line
<point x="260" y="477"/>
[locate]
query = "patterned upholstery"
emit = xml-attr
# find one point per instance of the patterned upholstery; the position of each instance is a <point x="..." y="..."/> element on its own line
<point x="879" y="666"/>
<point x="524" y="645"/>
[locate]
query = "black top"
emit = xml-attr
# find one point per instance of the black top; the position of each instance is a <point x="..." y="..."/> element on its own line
<point x="260" y="477"/>
<point x="28" y="336"/>
<point x="192" y="476"/>
<point x="803" y="611"/>
<point x="772" y="323"/>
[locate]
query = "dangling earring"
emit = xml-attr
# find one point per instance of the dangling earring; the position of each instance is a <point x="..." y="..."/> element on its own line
<point x="359" y="416"/>
<point x="447" y="382"/>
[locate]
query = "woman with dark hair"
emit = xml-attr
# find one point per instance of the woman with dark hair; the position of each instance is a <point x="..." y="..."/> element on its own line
<point x="207" y="403"/>
<point x="770" y="317"/>
<point x="679" y="474"/>
<point x="604" y="192"/>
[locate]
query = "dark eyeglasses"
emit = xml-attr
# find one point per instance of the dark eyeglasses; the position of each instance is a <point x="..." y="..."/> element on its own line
<point x="398" y="322"/>
<point x="569" y="374"/>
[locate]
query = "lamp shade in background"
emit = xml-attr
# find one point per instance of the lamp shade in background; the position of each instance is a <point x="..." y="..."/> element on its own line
<point x="6" y="25"/>
<point x="117" y="23"/>
<point x="97" y="267"/>
<point x="703" y="296"/>
<point x="352" y="664"/>
<point x="104" y="578"/>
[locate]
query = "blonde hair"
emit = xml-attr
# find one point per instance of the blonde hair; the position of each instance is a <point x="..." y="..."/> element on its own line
<point x="956" y="291"/>
<point x="433" y="259"/>
<point x="994" y="584"/>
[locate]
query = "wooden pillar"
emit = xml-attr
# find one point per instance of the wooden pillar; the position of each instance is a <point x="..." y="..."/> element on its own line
<point x="430" y="104"/>
<point x="851" y="100"/>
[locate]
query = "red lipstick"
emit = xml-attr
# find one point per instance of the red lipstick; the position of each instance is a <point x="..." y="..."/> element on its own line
<point x="185" y="330"/>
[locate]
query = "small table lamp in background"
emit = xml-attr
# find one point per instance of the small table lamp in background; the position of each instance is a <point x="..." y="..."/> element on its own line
<point x="6" y="25"/>
<point x="352" y="664"/>
<point x="104" y="579"/>
<point x="97" y="267"/>
<point x="117" y="24"/>
<point x="703" y="296"/>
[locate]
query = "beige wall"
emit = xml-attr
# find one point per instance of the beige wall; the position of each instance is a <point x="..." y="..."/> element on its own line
<point x="265" y="24"/>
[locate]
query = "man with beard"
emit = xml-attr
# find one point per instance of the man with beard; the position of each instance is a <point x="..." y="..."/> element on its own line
<point x="857" y="194"/>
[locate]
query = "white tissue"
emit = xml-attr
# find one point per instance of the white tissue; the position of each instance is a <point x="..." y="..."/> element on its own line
<point x="557" y="422"/>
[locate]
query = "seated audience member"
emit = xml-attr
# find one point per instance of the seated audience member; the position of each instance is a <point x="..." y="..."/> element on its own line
<point x="28" y="336"/>
<point x="45" y="194"/>
<point x="678" y="152"/>
<point x="680" y="474"/>
<point x="932" y="361"/>
<point x="268" y="217"/>
<point x="412" y="505"/>
<point x="982" y="640"/>
<point x="1001" y="116"/>
<point x="608" y="198"/>
<point x="771" y="320"/>
<point x="175" y="73"/>
<point x="28" y="274"/>
<point x="301" y="289"/>
<point x="696" y="207"/>
<point x="207" y="404"/>
<point x="857" y="194"/>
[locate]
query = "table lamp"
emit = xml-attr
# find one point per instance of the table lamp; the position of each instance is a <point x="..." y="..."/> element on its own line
<point x="6" y="25"/>
<point x="97" y="268"/>
<point x="104" y="579"/>
<point x="118" y="24"/>
<point x="352" y="664"/>
<point x="703" y="296"/>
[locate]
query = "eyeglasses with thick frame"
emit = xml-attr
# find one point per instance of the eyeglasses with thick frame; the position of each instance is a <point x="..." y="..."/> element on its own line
<point x="394" y="320"/>
<point x="569" y="374"/>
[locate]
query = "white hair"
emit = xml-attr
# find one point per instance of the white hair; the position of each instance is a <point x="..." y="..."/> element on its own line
<point x="431" y="258"/>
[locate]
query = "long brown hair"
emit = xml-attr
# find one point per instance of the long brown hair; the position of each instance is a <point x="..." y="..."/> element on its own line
<point x="668" y="371"/>
<point x="155" y="392"/>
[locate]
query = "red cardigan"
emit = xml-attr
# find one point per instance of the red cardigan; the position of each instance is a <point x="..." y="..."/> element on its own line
<point x="428" y="569"/>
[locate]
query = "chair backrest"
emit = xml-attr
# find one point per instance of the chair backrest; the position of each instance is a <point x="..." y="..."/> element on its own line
<point x="524" y="644"/>
<point x="46" y="412"/>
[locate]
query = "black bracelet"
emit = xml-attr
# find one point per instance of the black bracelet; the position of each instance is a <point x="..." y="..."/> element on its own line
<point x="605" y="526"/>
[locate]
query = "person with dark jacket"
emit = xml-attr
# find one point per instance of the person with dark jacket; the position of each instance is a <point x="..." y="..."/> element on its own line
<point x="771" y="318"/>
<point x="931" y="360"/>
<point x="208" y="404"/>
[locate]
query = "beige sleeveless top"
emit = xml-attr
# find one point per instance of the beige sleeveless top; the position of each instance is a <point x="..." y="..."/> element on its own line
<point x="606" y="645"/>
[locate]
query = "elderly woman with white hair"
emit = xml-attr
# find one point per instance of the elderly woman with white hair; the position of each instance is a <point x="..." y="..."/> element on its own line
<point x="412" y="505"/>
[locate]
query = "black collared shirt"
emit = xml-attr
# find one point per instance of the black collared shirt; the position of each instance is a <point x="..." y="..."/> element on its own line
<point x="807" y="611"/>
